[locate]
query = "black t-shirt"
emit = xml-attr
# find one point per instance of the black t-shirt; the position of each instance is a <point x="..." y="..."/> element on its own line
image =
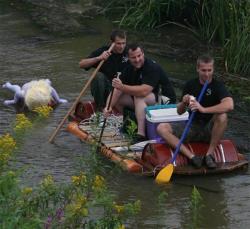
<point x="215" y="92"/>
<point x="151" y="74"/>
<point x="115" y="63"/>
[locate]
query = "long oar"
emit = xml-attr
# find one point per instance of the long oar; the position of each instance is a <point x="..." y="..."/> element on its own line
<point x="105" y="119"/>
<point x="79" y="96"/>
<point x="165" y="174"/>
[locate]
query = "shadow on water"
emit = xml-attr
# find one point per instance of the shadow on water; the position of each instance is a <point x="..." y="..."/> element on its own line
<point x="26" y="54"/>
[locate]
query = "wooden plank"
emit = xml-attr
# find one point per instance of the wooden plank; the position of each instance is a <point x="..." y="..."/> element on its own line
<point x="105" y="133"/>
<point x="115" y="144"/>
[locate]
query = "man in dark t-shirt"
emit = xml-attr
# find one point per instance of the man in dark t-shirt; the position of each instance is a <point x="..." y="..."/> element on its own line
<point x="210" y="120"/>
<point x="151" y="74"/>
<point x="138" y="87"/>
<point x="115" y="61"/>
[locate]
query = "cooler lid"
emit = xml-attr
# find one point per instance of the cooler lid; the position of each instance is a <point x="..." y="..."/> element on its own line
<point x="166" y="115"/>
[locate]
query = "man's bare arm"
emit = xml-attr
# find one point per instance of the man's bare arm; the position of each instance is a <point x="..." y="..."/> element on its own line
<point x="89" y="62"/>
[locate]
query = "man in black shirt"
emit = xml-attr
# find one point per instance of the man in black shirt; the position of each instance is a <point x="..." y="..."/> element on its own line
<point x="138" y="87"/>
<point x="115" y="61"/>
<point x="210" y="120"/>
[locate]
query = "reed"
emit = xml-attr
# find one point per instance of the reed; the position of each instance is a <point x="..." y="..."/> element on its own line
<point x="237" y="45"/>
<point x="195" y="207"/>
<point x="227" y="24"/>
<point x="143" y="14"/>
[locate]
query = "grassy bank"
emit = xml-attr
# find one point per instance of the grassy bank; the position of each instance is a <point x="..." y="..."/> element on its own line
<point x="222" y="23"/>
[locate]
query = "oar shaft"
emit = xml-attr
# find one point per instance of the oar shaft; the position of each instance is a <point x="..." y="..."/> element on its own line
<point x="109" y="104"/>
<point x="105" y="119"/>
<point x="79" y="97"/>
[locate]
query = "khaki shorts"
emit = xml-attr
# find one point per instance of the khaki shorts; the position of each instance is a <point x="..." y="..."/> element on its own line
<point x="199" y="131"/>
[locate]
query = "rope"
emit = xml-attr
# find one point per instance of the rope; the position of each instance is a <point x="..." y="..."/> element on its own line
<point x="94" y="124"/>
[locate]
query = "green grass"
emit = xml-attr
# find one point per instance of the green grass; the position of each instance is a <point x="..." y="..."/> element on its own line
<point x="221" y="23"/>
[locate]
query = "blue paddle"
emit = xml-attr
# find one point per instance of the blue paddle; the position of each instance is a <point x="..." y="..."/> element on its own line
<point x="165" y="174"/>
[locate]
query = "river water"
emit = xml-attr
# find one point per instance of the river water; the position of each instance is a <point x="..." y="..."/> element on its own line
<point x="26" y="53"/>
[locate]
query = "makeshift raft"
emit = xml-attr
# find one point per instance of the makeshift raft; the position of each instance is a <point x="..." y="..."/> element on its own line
<point x="116" y="147"/>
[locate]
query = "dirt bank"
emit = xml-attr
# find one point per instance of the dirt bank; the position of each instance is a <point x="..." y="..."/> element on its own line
<point x="57" y="16"/>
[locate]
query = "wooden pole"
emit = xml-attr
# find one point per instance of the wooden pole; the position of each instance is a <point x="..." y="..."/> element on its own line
<point x="51" y="139"/>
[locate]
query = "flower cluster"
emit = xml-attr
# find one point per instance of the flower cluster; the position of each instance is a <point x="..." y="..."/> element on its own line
<point x="47" y="182"/>
<point x="27" y="190"/>
<point x="119" y="208"/>
<point x="126" y="209"/>
<point x="121" y="226"/>
<point x="79" y="180"/>
<point x="11" y="174"/>
<point x="99" y="183"/>
<point x="22" y="123"/>
<point x="7" y="145"/>
<point x="78" y="206"/>
<point x="66" y="206"/>
<point x="43" y="111"/>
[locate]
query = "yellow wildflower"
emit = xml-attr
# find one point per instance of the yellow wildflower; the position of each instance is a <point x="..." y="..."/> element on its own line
<point x="27" y="190"/>
<point x="78" y="206"/>
<point x="99" y="182"/>
<point x="84" y="212"/>
<point x="43" y="111"/>
<point x="77" y="180"/>
<point x="11" y="173"/>
<point x="119" y="208"/>
<point x="22" y="122"/>
<point x="4" y="157"/>
<point x="82" y="200"/>
<point x="47" y="181"/>
<point x="7" y="143"/>
<point x="121" y="226"/>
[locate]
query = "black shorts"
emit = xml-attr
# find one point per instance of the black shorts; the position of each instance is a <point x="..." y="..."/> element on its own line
<point x="199" y="131"/>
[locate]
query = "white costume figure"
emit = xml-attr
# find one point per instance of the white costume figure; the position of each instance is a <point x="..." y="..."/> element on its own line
<point x="34" y="94"/>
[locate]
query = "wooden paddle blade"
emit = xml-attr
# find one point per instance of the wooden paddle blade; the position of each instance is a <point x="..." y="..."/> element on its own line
<point x="165" y="174"/>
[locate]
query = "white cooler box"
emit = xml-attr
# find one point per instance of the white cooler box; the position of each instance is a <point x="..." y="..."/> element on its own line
<point x="159" y="114"/>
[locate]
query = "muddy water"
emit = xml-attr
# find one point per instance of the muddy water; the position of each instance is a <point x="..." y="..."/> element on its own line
<point x="26" y="53"/>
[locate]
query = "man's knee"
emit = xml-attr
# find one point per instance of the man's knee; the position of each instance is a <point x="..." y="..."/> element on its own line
<point x="97" y="85"/>
<point x="220" y="119"/>
<point x="99" y="79"/>
<point x="149" y="99"/>
<point x="164" y="128"/>
<point x="100" y="84"/>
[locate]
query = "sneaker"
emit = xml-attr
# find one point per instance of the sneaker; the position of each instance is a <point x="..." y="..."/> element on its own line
<point x="197" y="161"/>
<point x="210" y="161"/>
<point x="138" y="138"/>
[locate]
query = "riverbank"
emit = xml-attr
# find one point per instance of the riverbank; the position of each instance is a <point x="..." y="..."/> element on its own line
<point x="58" y="17"/>
<point x="65" y="18"/>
